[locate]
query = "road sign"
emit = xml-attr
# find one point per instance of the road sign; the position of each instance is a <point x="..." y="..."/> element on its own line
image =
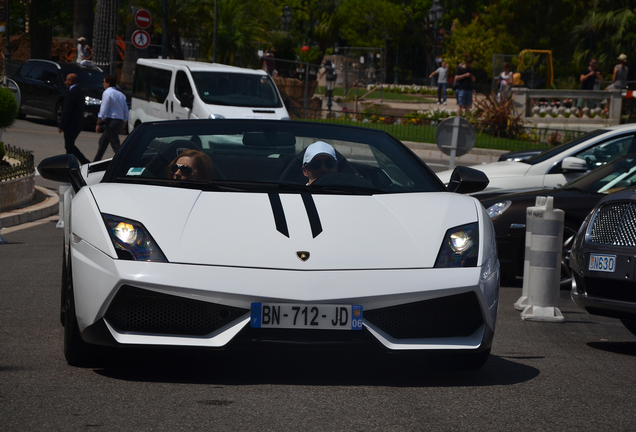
<point x="141" y="39"/>
<point x="142" y="18"/>
<point x="455" y="136"/>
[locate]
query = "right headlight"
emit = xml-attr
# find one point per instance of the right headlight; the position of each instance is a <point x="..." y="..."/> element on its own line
<point x="132" y="240"/>
<point x="460" y="247"/>
<point x="498" y="208"/>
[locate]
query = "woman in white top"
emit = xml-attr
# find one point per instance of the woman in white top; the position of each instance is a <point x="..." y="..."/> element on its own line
<point x="442" y="81"/>
<point x="505" y="81"/>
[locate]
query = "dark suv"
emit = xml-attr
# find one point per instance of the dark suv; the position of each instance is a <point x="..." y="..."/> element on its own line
<point x="42" y="88"/>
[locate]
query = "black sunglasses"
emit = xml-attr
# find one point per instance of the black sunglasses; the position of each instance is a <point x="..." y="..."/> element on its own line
<point x="185" y="170"/>
<point x="317" y="163"/>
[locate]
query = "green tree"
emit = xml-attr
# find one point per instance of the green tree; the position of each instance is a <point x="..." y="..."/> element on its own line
<point x="371" y="23"/>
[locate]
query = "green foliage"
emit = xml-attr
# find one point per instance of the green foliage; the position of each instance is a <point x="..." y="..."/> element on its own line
<point x="8" y="108"/>
<point x="313" y="56"/>
<point x="480" y="40"/>
<point x="371" y="23"/>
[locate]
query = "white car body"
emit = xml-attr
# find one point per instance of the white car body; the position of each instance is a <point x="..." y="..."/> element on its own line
<point x="226" y="250"/>
<point x="562" y="165"/>
<point x="148" y="104"/>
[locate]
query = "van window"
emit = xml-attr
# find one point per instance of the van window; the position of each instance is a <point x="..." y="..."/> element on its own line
<point x="236" y="89"/>
<point x="151" y="84"/>
<point x="182" y="85"/>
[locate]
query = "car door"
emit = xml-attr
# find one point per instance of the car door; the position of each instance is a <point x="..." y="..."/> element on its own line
<point x="28" y="86"/>
<point x="49" y="92"/>
<point x="182" y="86"/>
<point x="595" y="155"/>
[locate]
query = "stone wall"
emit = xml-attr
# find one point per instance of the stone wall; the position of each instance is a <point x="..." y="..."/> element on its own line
<point x="16" y="192"/>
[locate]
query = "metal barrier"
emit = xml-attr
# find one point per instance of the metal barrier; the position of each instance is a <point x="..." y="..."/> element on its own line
<point x="25" y="167"/>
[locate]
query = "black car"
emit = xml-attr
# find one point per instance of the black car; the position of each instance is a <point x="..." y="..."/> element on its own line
<point x="42" y="88"/>
<point x="576" y="198"/>
<point x="603" y="260"/>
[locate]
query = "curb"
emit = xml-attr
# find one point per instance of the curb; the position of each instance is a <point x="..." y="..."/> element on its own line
<point x="46" y="208"/>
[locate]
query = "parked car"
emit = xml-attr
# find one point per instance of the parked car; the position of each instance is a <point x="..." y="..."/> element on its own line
<point x="559" y="165"/>
<point x="603" y="260"/>
<point x="42" y="88"/>
<point x="376" y="256"/>
<point x="577" y="199"/>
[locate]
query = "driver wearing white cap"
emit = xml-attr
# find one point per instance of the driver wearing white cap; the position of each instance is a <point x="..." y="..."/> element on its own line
<point x="320" y="158"/>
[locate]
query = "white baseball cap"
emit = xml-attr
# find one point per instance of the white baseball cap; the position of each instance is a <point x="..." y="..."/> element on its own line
<point x="319" y="147"/>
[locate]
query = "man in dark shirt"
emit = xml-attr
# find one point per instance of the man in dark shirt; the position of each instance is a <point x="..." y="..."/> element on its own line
<point x="72" y="121"/>
<point x="588" y="79"/>
<point x="464" y="78"/>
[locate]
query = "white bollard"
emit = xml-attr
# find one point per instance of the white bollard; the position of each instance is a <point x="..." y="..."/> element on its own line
<point x="544" y="270"/>
<point x="62" y="191"/>
<point x="522" y="302"/>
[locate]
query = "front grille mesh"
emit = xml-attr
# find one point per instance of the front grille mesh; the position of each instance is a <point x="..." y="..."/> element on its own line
<point x="453" y="316"/>
<point x="615" y="224"/>
<point x="142" y="311"/>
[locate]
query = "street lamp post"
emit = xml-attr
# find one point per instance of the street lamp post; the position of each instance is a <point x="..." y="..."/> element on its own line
<point x="7" y="52"/>
<point x="435" y="14"/>
<point x="287" y="17"/>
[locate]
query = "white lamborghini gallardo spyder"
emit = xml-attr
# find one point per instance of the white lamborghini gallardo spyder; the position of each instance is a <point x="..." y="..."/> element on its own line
<point x="231" y="234"/>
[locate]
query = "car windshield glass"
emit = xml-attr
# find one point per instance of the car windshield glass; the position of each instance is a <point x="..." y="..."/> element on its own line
<point x="88" y="78"/>
<point x="547" y="154"/>
<point x="240" y="155"/>
<point x="617" y="175"/>
<point x="236" y="89"/>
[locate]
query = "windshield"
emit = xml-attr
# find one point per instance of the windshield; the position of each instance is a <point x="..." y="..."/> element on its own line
<point x="89" y="78"/>
<point x="547" y="154"/>
<point x="614" y="176"/>
<point x="240" y="155"/>
<point x="236" y="89"/>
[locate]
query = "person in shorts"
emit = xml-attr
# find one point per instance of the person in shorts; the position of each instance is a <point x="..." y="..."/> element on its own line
<point x="588" y="80"/>
<point x="464" y="78"/>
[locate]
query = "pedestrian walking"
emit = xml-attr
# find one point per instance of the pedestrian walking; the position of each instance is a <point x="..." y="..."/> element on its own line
<point x="464" y="78"/>
<point x="113" y="114"/>
<point x="72" y="120"/>
<point x="442" y="82"/>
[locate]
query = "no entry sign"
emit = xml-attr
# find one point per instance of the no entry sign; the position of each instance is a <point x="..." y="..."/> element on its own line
<point x="142" y="18"/>
<point x="140" y="39"/>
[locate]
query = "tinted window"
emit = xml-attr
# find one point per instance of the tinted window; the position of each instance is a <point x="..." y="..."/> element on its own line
<point x="236" y="89"/>
<point x="563" y="147"/>
<point x="182" y="85"/>
<point x="151" y="83"/>
<point x="87" y="78"/>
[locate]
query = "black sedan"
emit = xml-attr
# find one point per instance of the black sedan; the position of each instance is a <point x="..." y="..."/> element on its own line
<point x="576" y="198"/>
<point x="602" y="260"/>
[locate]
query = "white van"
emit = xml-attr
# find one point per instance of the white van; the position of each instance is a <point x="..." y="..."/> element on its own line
<point x="178" y="89"/>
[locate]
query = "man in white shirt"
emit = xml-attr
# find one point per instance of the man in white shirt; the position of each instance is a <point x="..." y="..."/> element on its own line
<point x="113" y="114"/>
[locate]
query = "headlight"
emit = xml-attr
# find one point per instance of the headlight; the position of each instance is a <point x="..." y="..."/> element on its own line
<point x="131" y="240"/>
<point x="460" y="247"/>
<point x="92" y="101"/>
<point x="498" y="208"/>
<point x="215" y="117"/>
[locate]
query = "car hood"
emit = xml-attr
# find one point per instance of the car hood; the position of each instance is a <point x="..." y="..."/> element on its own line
<point x="493" y="170"/>
<point x="244" y="229"/>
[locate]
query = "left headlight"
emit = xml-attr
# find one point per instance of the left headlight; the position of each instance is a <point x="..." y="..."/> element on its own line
<point x="498" y="208"/>
<point x="92" y="101"/>
<point x="131" y="240"/>
<point x="460" y="247"/>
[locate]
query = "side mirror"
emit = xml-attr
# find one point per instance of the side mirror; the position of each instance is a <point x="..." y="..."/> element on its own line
<point x="63" y="168"/>
<point x="574" y="164"/>
<point x="467" y="180"/>
<point x="187" y="100"/>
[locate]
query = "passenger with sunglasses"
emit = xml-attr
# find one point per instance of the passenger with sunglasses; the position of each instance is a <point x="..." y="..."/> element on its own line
<point x="320" y="158"/>
<point x="191" y="165"/>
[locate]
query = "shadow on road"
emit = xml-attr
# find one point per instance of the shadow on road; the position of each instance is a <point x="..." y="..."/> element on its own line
<point x="320" y="369"/>
<point x="625" y="348"/>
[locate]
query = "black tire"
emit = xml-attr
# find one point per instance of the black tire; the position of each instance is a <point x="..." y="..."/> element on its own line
<point x="630" y="325"/>
<point x="76" y="351"/>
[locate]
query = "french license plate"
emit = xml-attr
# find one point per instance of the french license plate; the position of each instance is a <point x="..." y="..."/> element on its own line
<point x="306" y="316"/>
<point x="603" y="263"/>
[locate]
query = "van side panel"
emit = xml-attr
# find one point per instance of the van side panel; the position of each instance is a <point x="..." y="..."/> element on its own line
<point x="151" y="87"/>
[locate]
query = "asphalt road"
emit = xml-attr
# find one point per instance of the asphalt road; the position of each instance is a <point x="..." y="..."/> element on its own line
<point x="541" y="376"/>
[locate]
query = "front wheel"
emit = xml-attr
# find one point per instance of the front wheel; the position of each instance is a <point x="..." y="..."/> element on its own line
<point x="569" y="232"/>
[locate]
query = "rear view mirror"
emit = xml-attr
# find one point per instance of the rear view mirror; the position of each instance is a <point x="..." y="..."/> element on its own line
<point x="467" y="180"/>
<point x="187" y="100"/>
<point x="63" y="168"/>
<point x="573" y="164"/>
